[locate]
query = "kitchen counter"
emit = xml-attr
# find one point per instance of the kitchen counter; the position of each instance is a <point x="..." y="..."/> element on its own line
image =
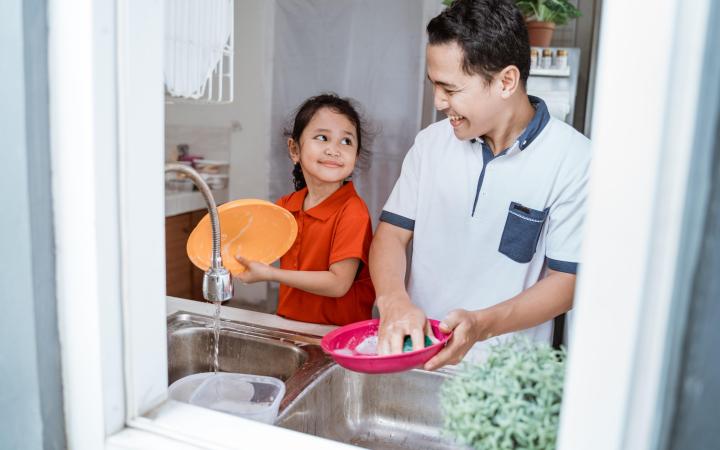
<point x="175" y="304"/>
<point x="182" y="202"/>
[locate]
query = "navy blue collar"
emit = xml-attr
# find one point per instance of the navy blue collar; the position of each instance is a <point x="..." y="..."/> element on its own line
<point x="534" y="128"/>
<point x="537" y="124"/>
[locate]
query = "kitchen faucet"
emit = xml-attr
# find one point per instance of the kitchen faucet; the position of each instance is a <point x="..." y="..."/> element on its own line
<point x="217" y="282"/>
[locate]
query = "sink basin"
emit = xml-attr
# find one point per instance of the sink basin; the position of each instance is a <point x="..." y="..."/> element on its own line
<point x="392" y="411"/>
<point x="190" y="350"/>
<point x="244" y="348"/>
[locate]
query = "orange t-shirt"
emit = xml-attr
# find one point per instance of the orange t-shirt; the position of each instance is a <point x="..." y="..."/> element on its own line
<point x="338" y="228"/>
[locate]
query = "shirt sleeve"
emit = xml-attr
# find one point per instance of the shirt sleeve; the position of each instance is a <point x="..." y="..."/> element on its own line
<point x="401" y="207"/>
<point x="352" y="234"/>
<point x="567" y="216"/>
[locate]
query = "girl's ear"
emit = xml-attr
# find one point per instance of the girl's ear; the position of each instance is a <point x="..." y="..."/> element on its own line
<point x="293" y="150"/>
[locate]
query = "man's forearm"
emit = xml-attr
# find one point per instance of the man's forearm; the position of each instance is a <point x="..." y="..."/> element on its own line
<point x="548" y="298"/>
<point x="388" y="262"/>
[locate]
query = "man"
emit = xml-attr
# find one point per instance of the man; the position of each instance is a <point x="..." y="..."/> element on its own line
<point x="492" y="198"/>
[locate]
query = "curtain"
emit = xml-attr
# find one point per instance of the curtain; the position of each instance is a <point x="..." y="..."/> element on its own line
<point x="370" y="50"/>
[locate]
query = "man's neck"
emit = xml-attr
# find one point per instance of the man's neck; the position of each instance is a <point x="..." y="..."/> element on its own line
<point x="511" y="125"/>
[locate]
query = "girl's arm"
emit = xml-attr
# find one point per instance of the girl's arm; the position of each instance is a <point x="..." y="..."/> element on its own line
<point x="334" y="282"/>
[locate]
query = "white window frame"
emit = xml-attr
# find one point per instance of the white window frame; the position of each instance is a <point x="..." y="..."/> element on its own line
<point x="106" y="93"/>
<point x="645" y="134"/>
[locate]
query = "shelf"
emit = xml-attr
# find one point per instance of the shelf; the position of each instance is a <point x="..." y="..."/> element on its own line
<point x="182" y="202"/>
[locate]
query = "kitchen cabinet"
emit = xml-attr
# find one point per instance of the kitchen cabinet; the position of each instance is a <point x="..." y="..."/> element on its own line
<point x="182" y="278"/>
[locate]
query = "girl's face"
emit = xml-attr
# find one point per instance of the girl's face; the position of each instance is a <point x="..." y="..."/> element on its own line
<point x="327" y="149"/>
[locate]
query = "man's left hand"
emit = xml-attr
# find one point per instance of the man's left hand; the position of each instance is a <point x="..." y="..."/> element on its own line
<point x="467" y="328"/>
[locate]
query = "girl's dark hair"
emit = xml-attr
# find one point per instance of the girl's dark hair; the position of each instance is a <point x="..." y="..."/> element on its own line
<point x="491" y="33"/>
<point x="304" y="114"/>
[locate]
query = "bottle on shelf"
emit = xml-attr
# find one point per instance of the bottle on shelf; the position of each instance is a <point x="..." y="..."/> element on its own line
<point x="533" y="58"/>
<point x="546" y="61"/>
<point x="561" y="58"/>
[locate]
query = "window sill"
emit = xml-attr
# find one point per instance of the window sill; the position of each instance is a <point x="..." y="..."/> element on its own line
<point x="179" y="425"/>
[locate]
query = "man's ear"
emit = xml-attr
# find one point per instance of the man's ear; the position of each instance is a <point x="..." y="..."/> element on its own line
<point x="509" y="81"/>
<point x="293" y="150"/>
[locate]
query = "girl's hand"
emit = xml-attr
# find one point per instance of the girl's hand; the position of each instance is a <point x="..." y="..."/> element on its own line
<point x="254" y="271"/>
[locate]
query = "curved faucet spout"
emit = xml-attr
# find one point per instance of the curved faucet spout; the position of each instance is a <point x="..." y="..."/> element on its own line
<point x="217" y="281"/>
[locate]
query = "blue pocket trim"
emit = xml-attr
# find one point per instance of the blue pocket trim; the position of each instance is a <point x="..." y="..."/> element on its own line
<point x="527" y="213"/>
<point x="562" y="266"/>
<point x="397" y="220"/>
<point x="522" y="232"/>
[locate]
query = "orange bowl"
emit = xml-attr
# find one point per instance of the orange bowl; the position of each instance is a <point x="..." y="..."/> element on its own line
<point x="254" y="229"/>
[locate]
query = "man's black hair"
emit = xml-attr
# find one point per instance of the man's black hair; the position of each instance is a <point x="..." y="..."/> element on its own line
<point x="491" y="33"/>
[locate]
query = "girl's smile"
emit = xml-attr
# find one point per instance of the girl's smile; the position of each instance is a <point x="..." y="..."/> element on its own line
<point x="330" y="163"/>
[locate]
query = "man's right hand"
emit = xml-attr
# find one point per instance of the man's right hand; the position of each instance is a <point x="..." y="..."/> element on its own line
<point x="400" y="318"/>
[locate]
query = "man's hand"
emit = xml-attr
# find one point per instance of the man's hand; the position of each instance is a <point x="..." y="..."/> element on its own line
<point x="254" y="271"/>
<point x="400" y="318"/>
<point x="467" y="328"/>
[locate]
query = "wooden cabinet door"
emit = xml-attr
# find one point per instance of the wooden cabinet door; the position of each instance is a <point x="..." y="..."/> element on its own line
<point x="182" y="278"/>
<point x="195" y="273"/>
<point x="178" y="268"/>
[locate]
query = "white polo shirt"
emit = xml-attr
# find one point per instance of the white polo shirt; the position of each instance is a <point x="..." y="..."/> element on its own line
<point x="485" y="227"/>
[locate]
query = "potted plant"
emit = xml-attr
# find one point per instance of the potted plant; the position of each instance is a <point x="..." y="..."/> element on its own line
<point x="542" y="16"/>
<point x="510" y="401"/>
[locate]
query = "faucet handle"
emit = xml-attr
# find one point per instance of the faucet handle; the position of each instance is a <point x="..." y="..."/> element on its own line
<point x="217" y="285"/>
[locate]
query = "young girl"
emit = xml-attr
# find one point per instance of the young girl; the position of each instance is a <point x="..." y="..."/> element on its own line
<point x="324" y="277"/>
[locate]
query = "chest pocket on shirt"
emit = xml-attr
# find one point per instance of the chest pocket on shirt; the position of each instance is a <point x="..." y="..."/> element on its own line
<point x="521" y="233"/>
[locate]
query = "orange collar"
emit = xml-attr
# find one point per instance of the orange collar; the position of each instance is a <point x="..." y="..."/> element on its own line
<point x="327" y="207"/>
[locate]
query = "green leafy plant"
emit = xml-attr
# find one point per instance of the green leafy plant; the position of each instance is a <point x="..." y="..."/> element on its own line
<point x="509" y="402"/>
<point x="558" y="12"/>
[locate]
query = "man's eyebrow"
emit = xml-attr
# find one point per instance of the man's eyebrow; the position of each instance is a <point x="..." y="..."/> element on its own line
<point x="441" y="83"/>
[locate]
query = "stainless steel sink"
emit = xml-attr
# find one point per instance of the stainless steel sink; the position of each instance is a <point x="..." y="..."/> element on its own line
<point x="394" y="411"/>
<point x="292" y="357"/>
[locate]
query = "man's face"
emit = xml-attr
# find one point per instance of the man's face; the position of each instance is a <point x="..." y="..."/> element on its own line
<point x="468" y="100"/>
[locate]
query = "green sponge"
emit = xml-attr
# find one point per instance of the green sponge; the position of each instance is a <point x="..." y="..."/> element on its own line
<point x="407" y="344"/>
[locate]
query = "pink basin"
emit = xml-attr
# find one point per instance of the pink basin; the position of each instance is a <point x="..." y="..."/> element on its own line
<point x="340" y="345"/>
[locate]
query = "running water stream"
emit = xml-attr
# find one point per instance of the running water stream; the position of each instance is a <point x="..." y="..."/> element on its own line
<point x="216" y="336"/>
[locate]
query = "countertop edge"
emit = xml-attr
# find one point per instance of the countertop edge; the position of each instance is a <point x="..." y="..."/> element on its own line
<point x="175" y="304"/>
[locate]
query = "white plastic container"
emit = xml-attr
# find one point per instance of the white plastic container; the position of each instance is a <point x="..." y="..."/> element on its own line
<point x="253" y="397"/>
<point x="181" y="390"/>
<point x="211" y="166"/>
<point x="215" y="181"/>
<point x="179" y="184"/>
